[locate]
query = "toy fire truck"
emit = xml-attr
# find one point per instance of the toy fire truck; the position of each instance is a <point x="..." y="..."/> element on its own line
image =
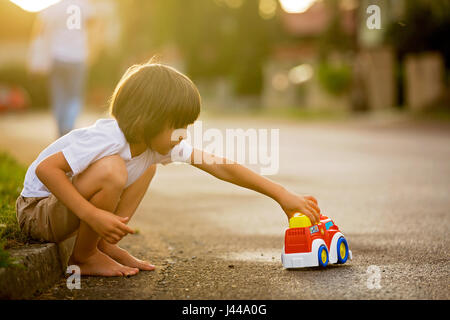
<point x="307" y="245"/>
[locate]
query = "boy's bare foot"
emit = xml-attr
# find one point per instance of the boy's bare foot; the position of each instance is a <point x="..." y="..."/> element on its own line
<point x="99" y="264"/>
<point x="122" y="256"/>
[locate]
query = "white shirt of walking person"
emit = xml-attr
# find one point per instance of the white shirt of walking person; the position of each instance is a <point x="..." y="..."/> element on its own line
<point x="65" y="27"/>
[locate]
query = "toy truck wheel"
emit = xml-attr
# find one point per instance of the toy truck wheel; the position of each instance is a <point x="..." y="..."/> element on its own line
<point x="323" y="256"/>
<point x="342" y="250"/>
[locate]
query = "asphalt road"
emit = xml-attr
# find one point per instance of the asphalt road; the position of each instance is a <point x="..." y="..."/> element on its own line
<point x="385" y="183"/>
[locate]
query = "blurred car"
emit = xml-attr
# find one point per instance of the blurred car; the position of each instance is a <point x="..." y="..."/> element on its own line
<point x="13" y="98"/>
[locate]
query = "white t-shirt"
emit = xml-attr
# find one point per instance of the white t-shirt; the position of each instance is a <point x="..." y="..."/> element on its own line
<point x="65" y="28"/>
<point x="82" y="147"/>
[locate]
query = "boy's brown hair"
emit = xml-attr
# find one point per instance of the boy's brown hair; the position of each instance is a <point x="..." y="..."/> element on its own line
<point x="151" y="96"/>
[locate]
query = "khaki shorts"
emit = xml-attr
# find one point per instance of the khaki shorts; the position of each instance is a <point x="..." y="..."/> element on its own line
<point x="45" y="218"/>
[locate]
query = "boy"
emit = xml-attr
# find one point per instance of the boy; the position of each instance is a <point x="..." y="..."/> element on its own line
<point x="91" y="181"/>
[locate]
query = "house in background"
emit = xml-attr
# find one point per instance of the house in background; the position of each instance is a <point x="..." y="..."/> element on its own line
<point x="380" y="79"/>
<point x="292" y="76"/>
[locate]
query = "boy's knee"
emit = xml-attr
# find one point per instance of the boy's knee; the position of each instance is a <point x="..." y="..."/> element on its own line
<point x="114" y="172"/>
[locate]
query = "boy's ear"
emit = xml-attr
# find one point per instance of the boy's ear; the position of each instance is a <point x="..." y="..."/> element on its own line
<point x="177" y="133"/>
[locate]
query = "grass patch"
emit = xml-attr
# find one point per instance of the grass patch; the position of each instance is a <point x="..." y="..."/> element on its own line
<point x="11" y="181"/>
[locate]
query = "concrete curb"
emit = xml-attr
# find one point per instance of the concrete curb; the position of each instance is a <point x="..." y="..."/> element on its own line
<point x="45" y="264"/>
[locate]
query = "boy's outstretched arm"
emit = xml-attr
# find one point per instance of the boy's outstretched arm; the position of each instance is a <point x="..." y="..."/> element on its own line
<point x="237" y="174"/>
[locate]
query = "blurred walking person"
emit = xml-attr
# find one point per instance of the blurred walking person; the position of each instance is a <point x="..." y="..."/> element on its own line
<point x="63" y="53"/>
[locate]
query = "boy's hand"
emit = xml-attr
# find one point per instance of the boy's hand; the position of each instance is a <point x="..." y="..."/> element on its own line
<point x="110" y="227"/>
<point x="292" y="203"/>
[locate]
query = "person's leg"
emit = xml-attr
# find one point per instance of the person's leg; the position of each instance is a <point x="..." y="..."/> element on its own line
<point x="127" y="206"/>
<point x="74" y="79"/>
<point x="57" y="94"/>
<point x="102" y="184"/>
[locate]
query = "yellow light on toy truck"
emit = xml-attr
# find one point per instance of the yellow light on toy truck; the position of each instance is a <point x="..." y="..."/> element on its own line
<point x="299" y="221"/>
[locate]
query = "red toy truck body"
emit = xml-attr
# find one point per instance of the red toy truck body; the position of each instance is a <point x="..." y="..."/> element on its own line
<point x="308" y="245"/>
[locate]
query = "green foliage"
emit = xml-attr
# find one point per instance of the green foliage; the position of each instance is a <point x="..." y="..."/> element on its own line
<point x="214" y="39"/>
<point x="425" y="26"/>
<point x="250" y="50"/>
<point x="5" y="258"/>
<point x="334" y="79"/>
<point x="334" y="37"/>
<point x="105" y="72"/>
<point x="11" y="177"/>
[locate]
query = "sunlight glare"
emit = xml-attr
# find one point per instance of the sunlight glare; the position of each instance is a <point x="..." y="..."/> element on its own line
<point x="301" y="73"/>
<point x="296" y="6"/>
<point x="34" y="5"/>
